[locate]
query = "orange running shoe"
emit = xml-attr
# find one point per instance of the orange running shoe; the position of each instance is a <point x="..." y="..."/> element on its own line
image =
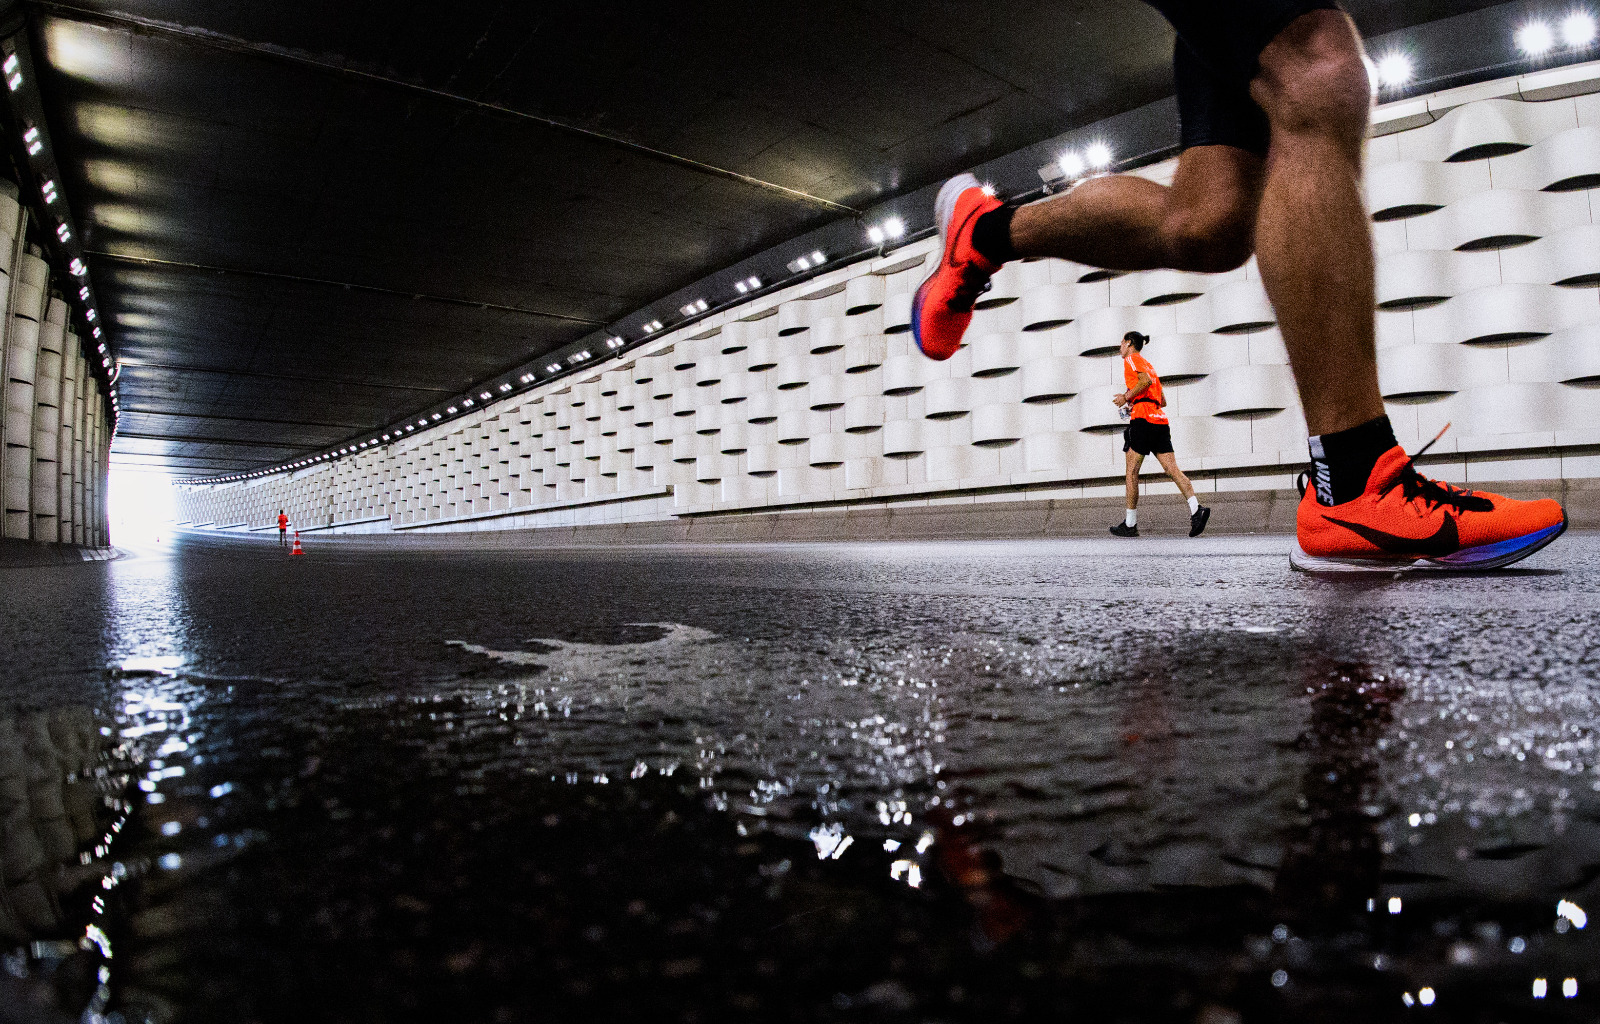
<point x="1404" y="520"/>
<point x="942" y="307"/>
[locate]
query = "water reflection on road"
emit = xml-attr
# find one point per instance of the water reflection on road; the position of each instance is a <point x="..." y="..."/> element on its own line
<point x="832" y="783"/>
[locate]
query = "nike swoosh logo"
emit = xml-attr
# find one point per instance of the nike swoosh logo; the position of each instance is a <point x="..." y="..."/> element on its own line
<point x="1445" y="539"/>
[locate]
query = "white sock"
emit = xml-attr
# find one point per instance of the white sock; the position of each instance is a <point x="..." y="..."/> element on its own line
<point x="1132" y="517"/>
<point x="1194" y="504"/>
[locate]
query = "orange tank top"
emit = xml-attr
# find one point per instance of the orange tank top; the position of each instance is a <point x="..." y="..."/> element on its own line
<point x="1149" y="405"/>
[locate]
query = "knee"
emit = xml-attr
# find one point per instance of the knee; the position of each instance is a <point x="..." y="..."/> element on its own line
<point x="1313" y="79"/>
<point x="1209" y="241"/>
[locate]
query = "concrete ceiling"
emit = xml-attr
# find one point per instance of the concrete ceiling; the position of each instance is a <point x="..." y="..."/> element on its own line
<point x="307" y="220"/>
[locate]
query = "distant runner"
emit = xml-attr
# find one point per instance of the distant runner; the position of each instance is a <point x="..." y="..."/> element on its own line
<point x="1274" y="104"/>
<point x="283" y="529"/>
<point x="1149" y="433"/>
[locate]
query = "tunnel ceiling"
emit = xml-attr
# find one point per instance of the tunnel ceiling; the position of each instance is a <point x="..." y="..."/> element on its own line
<point x="305" y="220"/>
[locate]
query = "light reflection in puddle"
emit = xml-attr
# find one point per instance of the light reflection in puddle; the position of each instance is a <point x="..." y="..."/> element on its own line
<point x="1095" y="801"/>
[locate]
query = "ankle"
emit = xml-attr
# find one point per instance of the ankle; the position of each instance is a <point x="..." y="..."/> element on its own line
<point x="991" y="235"/>
<point x="1341" y="462"/>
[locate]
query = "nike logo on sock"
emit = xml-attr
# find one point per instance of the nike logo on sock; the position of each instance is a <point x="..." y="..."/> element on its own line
<point x="1445" y="540"/>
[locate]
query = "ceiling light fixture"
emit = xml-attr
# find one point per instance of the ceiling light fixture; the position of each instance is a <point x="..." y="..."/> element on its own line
<point x="1535" y="38"/>
<point x="1393" y="70"/>
<point x="1577" y="29"/>
<point x="1098" y="155"/>
<point x="505" y="387"/>
<point x="1072" y="164"/>
<point x="888" y="230"/>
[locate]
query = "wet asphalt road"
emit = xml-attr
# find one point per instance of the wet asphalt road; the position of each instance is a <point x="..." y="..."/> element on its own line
<point x="1157" y="780"/>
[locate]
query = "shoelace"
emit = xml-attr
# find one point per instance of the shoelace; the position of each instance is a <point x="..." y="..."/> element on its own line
<point x="1415" y="486"/>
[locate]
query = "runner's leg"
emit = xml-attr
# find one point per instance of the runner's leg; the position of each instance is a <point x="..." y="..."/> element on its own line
<point x="1313" y="237"/>
<point x="1169" y="462"/>
<point x="1135" y="461"/>
<point x="1203" y="222"/>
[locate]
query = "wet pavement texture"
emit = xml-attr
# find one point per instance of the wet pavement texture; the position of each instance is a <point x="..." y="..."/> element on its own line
<point x="1112" y="781"/>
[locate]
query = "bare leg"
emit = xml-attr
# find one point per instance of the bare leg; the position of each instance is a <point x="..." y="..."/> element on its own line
<point x="1135" y="460"/>
<point x="1204" y="222"/>
<point x="1313" y="238"/>
<point x="1169" y="462"/>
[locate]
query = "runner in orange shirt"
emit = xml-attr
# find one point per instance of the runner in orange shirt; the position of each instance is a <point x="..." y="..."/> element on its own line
<point x="283" y="528"/>
<point x="1149" y="433"/>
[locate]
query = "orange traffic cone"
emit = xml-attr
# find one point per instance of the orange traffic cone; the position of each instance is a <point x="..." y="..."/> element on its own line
<point x="297" y="549"/>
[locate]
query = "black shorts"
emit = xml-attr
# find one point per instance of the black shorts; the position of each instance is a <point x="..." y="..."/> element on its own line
<point x="1147" y="438"/>
<point x="1216" y="56"/>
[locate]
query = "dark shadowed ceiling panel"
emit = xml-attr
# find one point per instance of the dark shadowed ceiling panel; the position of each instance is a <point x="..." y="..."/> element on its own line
<point x="310" y="219"/>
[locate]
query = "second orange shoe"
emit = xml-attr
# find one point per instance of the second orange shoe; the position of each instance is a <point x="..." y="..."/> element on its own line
<point x="1404" y="520"/>
<point x="942" y="307"/>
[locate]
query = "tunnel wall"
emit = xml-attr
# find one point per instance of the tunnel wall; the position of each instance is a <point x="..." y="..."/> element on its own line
<point x="1487" y="227"/>
<point x="54" y="423"/>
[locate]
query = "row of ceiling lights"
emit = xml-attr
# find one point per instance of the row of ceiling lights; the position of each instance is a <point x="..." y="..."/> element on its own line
<point x="34" y="144"/>
<point x="1535" y="39"/>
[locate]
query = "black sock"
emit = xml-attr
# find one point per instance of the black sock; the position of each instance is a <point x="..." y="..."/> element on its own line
<point x="991" y="235"/>
<point x="1342" y="462"/>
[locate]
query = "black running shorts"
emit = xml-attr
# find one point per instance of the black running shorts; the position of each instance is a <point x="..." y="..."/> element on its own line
<point x="1147" y="438"/>
<point x="1214" y="60"/>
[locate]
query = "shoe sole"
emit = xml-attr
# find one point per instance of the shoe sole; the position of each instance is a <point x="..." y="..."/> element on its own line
<point x="1484" y="556"/>
<point x="944" y="211"/>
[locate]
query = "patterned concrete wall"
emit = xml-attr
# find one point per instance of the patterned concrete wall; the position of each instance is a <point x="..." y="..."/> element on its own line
<point x="54" y="421"/>
<point x="1488" y="240"/>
